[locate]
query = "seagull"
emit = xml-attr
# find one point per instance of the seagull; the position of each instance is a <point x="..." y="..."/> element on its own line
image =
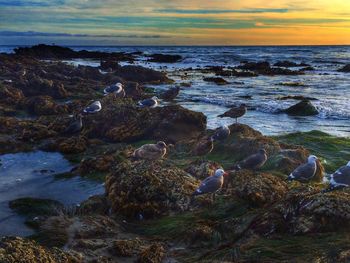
<point x="221" y="133"/>
<point x="93" y="107"/>
<point x="340" y="178"/>
<point x="151" y="151"/>
<point x="253" y="162"/>
<point x="150" y="103"/>
<point x="117" y="89"/>
<point x="306" y="171"/>
<point x="170" y="94"/>
<point x="211" y="184"/>
<point x="204" y="147"/>
<point x="75" y="126"/>
<point x="235" y="112"/>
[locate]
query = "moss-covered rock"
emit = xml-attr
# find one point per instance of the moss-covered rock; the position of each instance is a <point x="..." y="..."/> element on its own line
<point x="149" y="189"/>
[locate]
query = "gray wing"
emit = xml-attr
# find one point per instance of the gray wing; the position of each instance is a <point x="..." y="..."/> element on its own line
<point x="342" y="176"/>
<point x="304" y="172"/>
<point x="110" y="89"/>
<point x="92" y="108"/>
<point x="147" y="102"/>
<point x="209" y="185"/>
<point x="253" y="161"/>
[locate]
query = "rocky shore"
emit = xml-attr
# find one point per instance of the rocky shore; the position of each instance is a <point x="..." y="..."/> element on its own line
<point x="146" y="214"/>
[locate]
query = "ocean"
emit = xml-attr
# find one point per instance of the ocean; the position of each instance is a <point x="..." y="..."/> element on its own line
<point x="329" y="88"/>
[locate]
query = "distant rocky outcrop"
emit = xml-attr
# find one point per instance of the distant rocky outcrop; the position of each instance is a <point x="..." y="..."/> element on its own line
<point x="162" y="58"/>
<point x="346" y="69"/>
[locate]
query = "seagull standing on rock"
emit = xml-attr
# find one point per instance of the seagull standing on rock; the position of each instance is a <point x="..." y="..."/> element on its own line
<point x="93" y="107"/>
<point x="151" y="151"/>
<point x="306" y="171"/>
<point x="221" y="133"/>
<point x="75" y="126"/>
<point x="253" y="162"/>
<point x="170" y="94"/>
<point x="211" y="184"/>
<point x="150" y="103"/>
<point x="117" y="89"/>
<point x="204" y="147"/>
<point x="340" y="178"/>
<point x="235" y="112"/>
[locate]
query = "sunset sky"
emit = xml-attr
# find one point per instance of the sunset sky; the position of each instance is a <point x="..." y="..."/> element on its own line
<point x="176" y="22"/>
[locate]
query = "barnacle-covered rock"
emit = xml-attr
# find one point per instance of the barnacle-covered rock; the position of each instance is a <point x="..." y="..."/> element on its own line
<point x="16" y="249"/>
<point x="258" y="188"/>
<point x="73" y="145"/>
<point x="122" y="120"/>
<point x="126" y="247"/>
<point x="44" y="105"/>
<point x="307" y="210"/>
<point x="152" y="254"/>
<point x="144" y="189"/>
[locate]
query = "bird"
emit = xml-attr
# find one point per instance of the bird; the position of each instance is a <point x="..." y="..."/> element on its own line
<point x="204" y="147"/>
<point x="150" y="103"/>
<point x="170" y="94"/>
<point x="221" y="133"/>
<point x="151" y="151"/>
<point x="340" y="178"/>
<point x="306" y="171"/>
<point x="117" y="89"/>
<point x="235" y="112"/>
<point x="211" y="184"/>
<point x="253" y="162"/>
<point x="93" y="107"/>
<point x="75" y="126"/>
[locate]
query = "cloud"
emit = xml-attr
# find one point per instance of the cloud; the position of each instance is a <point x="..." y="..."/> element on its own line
<point x="223" y="11"/>
<point x="46" y="34"/>
<point x="31" y="3"/>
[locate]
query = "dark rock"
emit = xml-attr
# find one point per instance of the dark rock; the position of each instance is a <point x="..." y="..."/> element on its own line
<point x="97" y="204"/>
<point x="289" y="64"/>
<point x="152" y="254"/>
<point x="346" y="69"/>
<point x="170" y="94"/>
<point x="44" y="105"/>
<point x="218" y="81"/>
<point x="264" y="68"/>
<point x="296" y="97"/>
<point x="303" y="108"/>
<point x="142" y="75"/>
<point x="161" y="58"/>
<point x="109" y="65"/>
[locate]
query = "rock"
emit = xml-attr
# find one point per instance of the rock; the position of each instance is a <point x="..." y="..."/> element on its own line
<point x="289" y="64"/>
<point x="73" y="145"/>
<point x="297" y="97"/>
<point x="202" y="170"/>
<point x="153" y="254"/>
<point x="109" y="65"/>
<point x="264" y="68"/>
<point x="303" y="108"/>
<point x="44" y="105"/>
<point x="307" y="210"/>
<point x="170" y="94"/>
<point x="142" y="75"/>
<point x="126" y="247"/>
<point x="43" y="51"/>
<point x="218" y="81"/>
<point x="16" y="249"/>
<point x="97" y="204"/>
<point x="258" y="189"/>
<point x="35" y="206"/>
<point x="143" y="189"/>
<point x="346" y="69"/>
<point x="161" y="58"/>
<point x="11" y="95"/>
<point x="123" y="120"/>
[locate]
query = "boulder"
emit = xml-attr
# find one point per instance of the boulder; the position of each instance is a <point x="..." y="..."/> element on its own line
<point x="44" y="105"/>
<point x="142" y="75"/>
<point x="144" y="190"/>
<point x="16" y="249"/>
<point x="122" y="120"/>
<point x="259" y="189"/>
<point x="303" y="108"/>
<point x="73" y="145"/>
<point x="307" y="210"/>
<point x="155" y="253"/>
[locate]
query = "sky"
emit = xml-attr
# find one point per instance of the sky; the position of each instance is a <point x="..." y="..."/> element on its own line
<point x="175" y="22"/>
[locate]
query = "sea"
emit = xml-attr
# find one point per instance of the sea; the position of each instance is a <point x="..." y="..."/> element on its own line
<point x="329" y="88"/>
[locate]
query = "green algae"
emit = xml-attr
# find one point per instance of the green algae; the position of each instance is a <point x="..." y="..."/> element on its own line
<point x="333" y="151"/>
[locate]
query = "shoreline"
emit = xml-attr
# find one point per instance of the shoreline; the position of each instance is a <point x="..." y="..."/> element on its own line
<point x="146" y="212"/>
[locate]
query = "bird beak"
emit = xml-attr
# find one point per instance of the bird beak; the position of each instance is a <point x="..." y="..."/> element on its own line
<point x="226" y="174"/>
